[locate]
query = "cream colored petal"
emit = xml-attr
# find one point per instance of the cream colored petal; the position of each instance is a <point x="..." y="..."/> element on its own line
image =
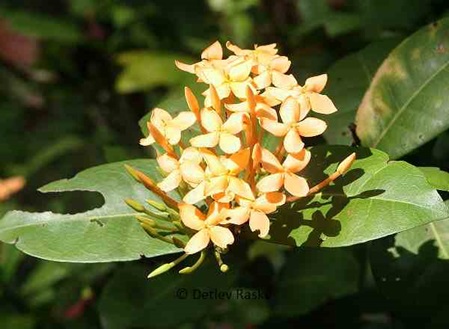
<point x="240" y="188"/>
<point x="316" y="84"/>
<point x="197" y="242"/>
<point x="216" y="185"/>
<point x="221" y="236"/>
<point x="235" y="49"/>
<point x="147" y="140"/>
<point x="258" y="221"/>
<point x="238" y="107"/>
<point x="206" y="140"/>
<point x="210" y="120"/>
<point x="296" y="185"/>
<point x="270" y="162"/>
<point x="238" y="215"/>
<point x="229" y="143"/>
<point x="214" y="164"/>
<point x="191" y="154"/>
<point x="159" y="117"/>
<point x="192" y="173"/>
<point x="280" y="64"/>
<point x="311" y="127"/>
<point x="173" y="135"/>
<point x="293" y="142"/>
<point x="223" y="91"/>
<point x="239" y="88"/>
<point x="167" y="163"/>
<point x="263" y="80"/>
<point x="278" y="93"/>
<point x="271" y="183"/>
<point x="240" y="72"/>
<point x="265" y="111"/>
<point x="211" y="75"/>
<point x="234" y="124"/>
<point x="170" y="182"/>
<point x="276" y="128"/>
<point x="289" y="111"/>
<point x="191" y="216"/>
<point x="195" y="195"/>
<point x="185" y="67"/>
<point x="268" y="202"/>
<point x="214" y="51"/>
<point x="183" y="120"/>
<point x="283" y="81"/>
<point x="297" y="162"/>
<point x="321" y="104"/>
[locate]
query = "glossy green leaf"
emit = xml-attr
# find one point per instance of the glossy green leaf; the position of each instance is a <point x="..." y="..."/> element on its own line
<point x="436" y="177"/>
<point x="143" y="70"/>
<point x="306" y="281"/>
<point x="105" y="234"/>
<point x="375" y="198"/>
<point x="406" y="104"/>
<point x="130" y="300"/>
<point x="411" y="270"/>
<point x="349" y="78"/>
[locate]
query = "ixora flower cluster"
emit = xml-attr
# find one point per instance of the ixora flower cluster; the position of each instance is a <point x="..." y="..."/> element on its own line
<point x="224" y="174"/>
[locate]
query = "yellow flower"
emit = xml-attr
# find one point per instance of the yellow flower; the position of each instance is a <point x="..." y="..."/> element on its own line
<point x="208" y="227"/>
<point x="219" y="133"/>
<point x="272" y="72"/>
<point x="213" y="53"/>
<point x="308" y="95"/>
<point x="294" y="125"/>
<point x="255" y="211"/>
<point x="259" y="55"/>
<point x="186" y="169"/>
<point x="169" y="127"/>
<point x="284" y="175"/>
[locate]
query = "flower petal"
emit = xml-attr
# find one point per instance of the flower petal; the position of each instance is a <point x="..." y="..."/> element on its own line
<point x="195" y="195"/>
<point x="270" y="162"/>
<point x="276" y="128"/>
<point x="321" y="104"/>
<point x="221" y="236"/>
<point x="271" y="183"/>
<point x="216" y="185"/>
<point x="167" y="163"/>
<point x="316" y="84"/>
<point x="170" y="182"/>
<point x="237" y="216"/>
<point x="234" y="124"/>
<point x="263" y="80"/>
<point x="191" y="216"/>
<point x="238" y="161"/>
<point x="197" y="242"/>
<point x="210" y="120"/>
<point x="173" y="135"/>
<point x="240" y="188"/>
<point x="265" y="111"/>
<point x="296" y="185"/>
<point x="259" y="221"/>
<point x="229" y="143"/>
<point x="185" y="67"/>
<point x="280" y="64"/>
<point x="283" y="81"/>
<point x="240" y="72"/>
<point x="293" y="142"/>
<point x="206" y="140"/>
<point x="183" y="120"/>
<point x="311" y="127"/>
<point x="297" y="162"/>
<point x="159" y="117"/>
<point x="192" y="173"/>
<point x="214" y="51"/>
<point x="289" y="111"/>
<point x="147" y="140"/>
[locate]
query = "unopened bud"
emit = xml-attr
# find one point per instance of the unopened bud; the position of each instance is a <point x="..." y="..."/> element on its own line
<point x="132" y="172"/>
<point x="135" y="205"/>
<point x="161" y="269"/>
<point x="159" y="206"/>
<point x="346" y="164"/>
<point x="178" y="243"/>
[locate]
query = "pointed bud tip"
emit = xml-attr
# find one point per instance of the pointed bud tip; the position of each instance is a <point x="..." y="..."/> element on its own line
<point x="161" y="269"/>
<point x="135" y="205"/>
<point x="344" y="166"/>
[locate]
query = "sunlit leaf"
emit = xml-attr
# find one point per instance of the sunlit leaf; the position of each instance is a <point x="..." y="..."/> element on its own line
<point x="407" y="102"/>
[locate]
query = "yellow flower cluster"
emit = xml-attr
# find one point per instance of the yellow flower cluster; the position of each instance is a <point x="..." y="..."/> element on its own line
<point x="225" y="167"/>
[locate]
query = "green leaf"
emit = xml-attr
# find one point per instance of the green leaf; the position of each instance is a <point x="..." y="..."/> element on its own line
<point x="436" y="177"/>
<point x="312" y="277"/>
<point x="109" y="233"/>
<point x="411" y="270"/>
<point x="143" y="70"/>
<point x="406" y="104"/>
<point x="375" y="198"/>
<point x="130" y="300"/>
<point x="349" y="78"/>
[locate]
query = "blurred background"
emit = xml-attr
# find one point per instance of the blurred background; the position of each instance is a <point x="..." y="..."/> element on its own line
<point x="75" y="78"/>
